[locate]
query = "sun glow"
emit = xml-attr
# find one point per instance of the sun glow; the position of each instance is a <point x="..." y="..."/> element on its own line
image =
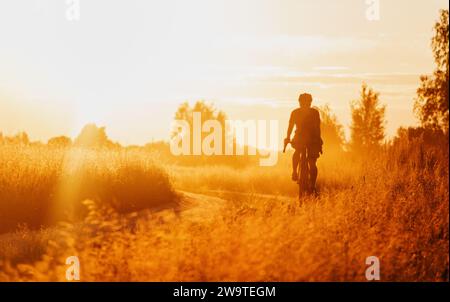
<point x="128" y="67"/>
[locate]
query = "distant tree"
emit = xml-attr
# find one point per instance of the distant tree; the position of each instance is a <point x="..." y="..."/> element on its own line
<point x="159" y="146"/>
<point x="368" y="120"/>
<point x="208" y="112"/>
<point x="426" y="136"/>
<point x="19" y="139"/>
<point x="185" y="112"/>
<point x="431" y="105"/>
<point x="2" y="140"/>
<point x="92" y="136"/>
<point x="60" y="141"/>
<point x="331" y="130"/>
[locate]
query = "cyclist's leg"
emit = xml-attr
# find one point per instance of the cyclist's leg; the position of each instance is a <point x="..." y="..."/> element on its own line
<point x="295" y="163"/>
<point x="312" y="173"/>
<point x="303" y="180"/>
<point x="313" y="155"/>
<point x="295" y="157"/>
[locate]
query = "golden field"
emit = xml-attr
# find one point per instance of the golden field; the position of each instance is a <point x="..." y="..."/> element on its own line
<point x="134" y="215"/>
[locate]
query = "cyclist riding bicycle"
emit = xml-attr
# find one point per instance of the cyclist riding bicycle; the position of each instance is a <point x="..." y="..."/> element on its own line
<point x="307" y="143"/>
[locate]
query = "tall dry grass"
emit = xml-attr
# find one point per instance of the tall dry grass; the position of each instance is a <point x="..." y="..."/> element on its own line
<point x="394" y="206"/>
<point x="40" y="186"/>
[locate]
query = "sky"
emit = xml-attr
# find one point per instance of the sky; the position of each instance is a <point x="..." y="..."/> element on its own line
<point x="127" y="65"/>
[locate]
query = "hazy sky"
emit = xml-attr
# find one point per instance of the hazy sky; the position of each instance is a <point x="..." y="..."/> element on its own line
<point x="127" y="64"/>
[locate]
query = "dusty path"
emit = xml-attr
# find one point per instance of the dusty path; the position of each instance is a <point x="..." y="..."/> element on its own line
<point x="199" y="207"/>
<point x="247" y="194"/>
<point x="193" y="207"/>
<point x="207" y="205"/>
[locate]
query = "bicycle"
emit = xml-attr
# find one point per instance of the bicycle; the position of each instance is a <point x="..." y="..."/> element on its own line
<point x="303" y="180"/>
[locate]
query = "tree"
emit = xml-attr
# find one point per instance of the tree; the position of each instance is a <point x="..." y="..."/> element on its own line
<point x="431" y="105"/>
<point x="92" y="136"/>
<point x="60" y="141"/>
<point x="19" y="139"/>
<point x="331" y="130"/>
<point x="426" y="136"/>
<point x="368" y="121"/>
<point x="186" y="113"/>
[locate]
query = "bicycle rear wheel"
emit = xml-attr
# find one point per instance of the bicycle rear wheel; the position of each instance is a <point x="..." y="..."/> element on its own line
<point x="303" y="179"/>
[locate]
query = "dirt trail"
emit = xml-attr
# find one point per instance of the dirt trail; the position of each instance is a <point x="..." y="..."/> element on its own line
<point x="200" y="207"/>
<point x="194" y="207"/>
<point x="246" y="194"/>
<point x="207" y="205"/>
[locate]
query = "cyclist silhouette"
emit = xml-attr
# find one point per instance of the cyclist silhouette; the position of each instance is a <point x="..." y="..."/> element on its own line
<point x="307" y="143"/>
